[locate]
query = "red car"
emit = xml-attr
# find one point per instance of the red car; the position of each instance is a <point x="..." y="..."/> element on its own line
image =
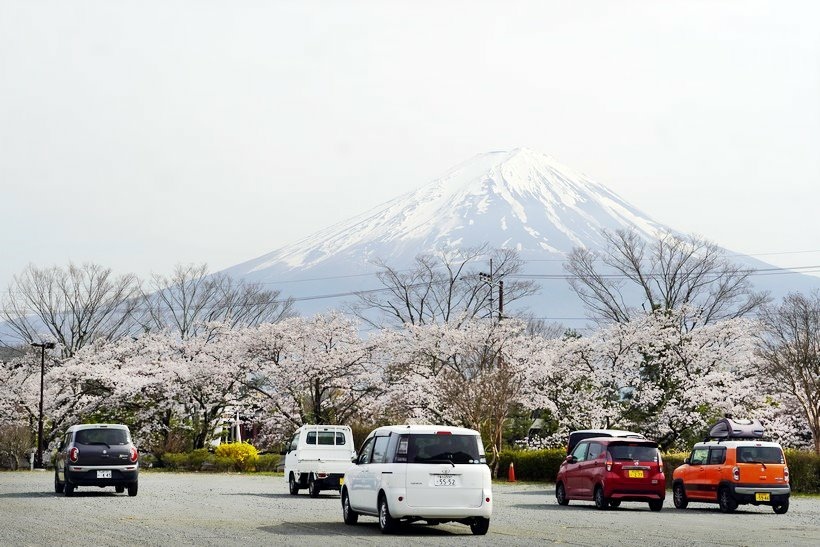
<point x="609" y="470"/>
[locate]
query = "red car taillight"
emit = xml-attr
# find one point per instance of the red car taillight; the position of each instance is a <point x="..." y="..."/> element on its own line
<point x="134" y="454"/>
<point x="74" y="454"/>
<point x="608" y="461"/>
<point x="786" y="475"/>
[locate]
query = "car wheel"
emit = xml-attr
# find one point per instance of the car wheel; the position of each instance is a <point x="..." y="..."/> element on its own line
<point x="68" y="489"/>
<point x="119" y="489"/>
<point x="781" y="508"/>
<point x="725" y="500"/>
<point x="387" y="524"/>
<point x="350" y="516"/>
<point x="132" y="489"/>
<point x="313" y="488"/>
<point x="293" y="486"/>
<point x="656" y="505"/>
<point x="679" y="496"/>
<point x="600" y="501"/>
<point x="479" y="526"/>
<point x="561" y="494"/>
<point x="58" y="486"/>
<point x="614" y="503"/>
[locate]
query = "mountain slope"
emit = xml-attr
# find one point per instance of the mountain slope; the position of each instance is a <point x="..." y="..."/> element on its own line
<point x="517" y="199"/>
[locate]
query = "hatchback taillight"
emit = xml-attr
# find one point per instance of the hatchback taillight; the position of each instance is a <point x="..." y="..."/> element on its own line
<point x="74" y="454"/>
<point x="608" y="461"/>
<point x="134" y="454"/>
<point x="786" y="475"/>
<point x="736" y="473"/>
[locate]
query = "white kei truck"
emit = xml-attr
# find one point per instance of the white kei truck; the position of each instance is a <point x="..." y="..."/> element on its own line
<point x="317" y="458"/>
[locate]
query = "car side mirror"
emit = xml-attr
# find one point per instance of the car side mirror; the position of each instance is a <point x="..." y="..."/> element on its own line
<point x="283" y="451"/>
<point x="686" y="461"/>
<point x="354" y="459"/>
<point x="570" y="459"/>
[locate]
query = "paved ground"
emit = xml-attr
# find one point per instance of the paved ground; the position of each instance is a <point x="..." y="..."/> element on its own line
<point x="204" y="509"/>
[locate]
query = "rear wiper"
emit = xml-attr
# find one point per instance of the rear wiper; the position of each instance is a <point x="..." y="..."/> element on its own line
<point x="100" y="443"/>
<point x="442" y="460"/>
<point x="756" y="461"/>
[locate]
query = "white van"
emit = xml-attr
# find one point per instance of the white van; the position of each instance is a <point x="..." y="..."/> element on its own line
<point x="420" y="472"/>
<point x="317" y="457"/>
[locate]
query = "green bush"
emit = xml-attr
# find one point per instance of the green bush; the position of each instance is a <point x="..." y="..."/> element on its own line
<point x="196" y="458"/>
<point x="804" y="471"/>
<point x="221" y="463"/>
<point x="267" y="462"/>
<point x="532" y="465"/>
<point x="175" y="460"/>
<point x="671" y="460"/>
<point x="243" y="455"/>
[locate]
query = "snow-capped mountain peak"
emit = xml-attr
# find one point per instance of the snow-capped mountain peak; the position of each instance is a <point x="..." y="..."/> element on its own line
<point x="518" y="198"/>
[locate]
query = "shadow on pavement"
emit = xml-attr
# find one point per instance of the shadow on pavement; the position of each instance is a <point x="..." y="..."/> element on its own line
<point x="367" y="528"/>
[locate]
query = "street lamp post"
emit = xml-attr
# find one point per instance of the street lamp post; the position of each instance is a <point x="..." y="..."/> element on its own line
<point x="38" y="458"/>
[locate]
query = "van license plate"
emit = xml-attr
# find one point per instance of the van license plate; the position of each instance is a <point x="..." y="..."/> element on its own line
<point x="763" y="496"/>
<point x="635" y="473"/>
<point x="104" y="474"/>
<point x="444" y="480"/>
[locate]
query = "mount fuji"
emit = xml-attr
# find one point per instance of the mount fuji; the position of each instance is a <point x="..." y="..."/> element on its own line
<point x="517" y="199"/>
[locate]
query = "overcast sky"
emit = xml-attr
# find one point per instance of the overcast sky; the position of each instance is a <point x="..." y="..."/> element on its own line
<point x="143" y="134"/>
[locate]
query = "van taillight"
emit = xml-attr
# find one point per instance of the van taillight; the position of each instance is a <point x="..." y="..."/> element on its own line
<point x="736" y="473"/>
<point x="134" y="454"/>
<point x="444" y="433"/>
<point x="608" y="461"/>
<point x="786" y="475"/>
<point x="74" y="454"/>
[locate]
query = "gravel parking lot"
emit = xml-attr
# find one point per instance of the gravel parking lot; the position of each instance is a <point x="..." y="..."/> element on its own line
<point x="204" y="509"/>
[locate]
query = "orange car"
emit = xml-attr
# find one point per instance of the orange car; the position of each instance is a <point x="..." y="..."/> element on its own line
<point x="734" y="468"/>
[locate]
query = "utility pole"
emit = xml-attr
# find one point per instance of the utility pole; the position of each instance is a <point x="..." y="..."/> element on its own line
<point x="489" y="279"/>
<point x="38" y="458"/>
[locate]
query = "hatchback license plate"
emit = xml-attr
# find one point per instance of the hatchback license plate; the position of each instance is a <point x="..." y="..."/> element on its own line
<point x="104" y="474"/>
<point x="635" y="473"/>
<point x="763" y="496"/>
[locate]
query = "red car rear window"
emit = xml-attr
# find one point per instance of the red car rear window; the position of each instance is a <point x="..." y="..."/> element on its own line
<point x="632" y="452"/>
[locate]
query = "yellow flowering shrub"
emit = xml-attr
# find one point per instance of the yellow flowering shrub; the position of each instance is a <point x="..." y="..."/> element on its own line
<point x="243" y="455"/>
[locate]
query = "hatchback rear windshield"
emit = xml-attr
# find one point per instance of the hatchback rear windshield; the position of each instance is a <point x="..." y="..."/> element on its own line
<point x="764" y="454"/>
<point x="101" y="436"/>
<point x="633" y="452"/>
<point x="435" y="448"/>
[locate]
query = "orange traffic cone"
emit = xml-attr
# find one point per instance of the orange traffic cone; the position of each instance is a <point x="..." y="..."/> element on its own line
<point x="511" y="473"/>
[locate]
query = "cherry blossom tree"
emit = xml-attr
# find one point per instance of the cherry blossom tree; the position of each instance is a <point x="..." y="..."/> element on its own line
<point x="72" y="306"/>
<point x="312" y="370"/>
<point x="457" y="374"/>
<point x="633" y="277"/>
<point x="790" y="355"/>
<point x="441" y="288"/>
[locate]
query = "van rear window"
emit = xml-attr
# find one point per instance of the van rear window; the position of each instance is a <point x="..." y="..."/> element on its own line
<point x="432" y="448"/>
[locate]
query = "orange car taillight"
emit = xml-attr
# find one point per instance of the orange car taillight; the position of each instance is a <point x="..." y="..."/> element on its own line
<point x="786" y="475"/>
<point x="736" y="473"/>
<point x="134" y="454"/>
<point x="608" y="461"/>
<point x="74" y="454"/>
